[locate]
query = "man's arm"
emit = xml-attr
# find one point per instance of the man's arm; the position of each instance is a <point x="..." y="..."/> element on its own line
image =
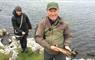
<point x="39" y="36"/>
<point x="67" y="37"/>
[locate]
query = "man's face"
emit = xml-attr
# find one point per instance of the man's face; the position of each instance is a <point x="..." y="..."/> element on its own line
<point x="18" y="13"/>
<point x="53" y="13"/>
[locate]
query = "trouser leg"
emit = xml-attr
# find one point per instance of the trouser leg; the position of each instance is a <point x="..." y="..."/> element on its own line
<point x="48" y="56"/>
<point x="23" y="42"/>
<point x="60" y="56"/>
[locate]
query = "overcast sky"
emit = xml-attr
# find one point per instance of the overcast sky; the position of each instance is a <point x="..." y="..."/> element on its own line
<point x="47" y="0"/>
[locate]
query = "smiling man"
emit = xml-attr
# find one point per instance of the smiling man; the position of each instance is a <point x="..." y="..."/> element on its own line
<point x="53" y="32"/>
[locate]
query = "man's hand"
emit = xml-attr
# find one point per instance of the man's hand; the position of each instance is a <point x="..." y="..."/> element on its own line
<point x="64" y="51"/>
<point x="54" y="48"/>
<point x="68" y="48"/>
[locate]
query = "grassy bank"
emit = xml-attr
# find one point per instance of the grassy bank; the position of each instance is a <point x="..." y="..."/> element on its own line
<point x="4" y="57"/>
<point x="30" y="56"/>
<point x="24" y="56"/>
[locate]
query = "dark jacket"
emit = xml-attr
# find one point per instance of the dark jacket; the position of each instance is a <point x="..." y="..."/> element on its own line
<point x="16" y="21"/>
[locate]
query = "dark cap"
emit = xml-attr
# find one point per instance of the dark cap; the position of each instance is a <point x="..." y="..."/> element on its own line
<point x="18" y="8"/>
<point x="52" y="5"/>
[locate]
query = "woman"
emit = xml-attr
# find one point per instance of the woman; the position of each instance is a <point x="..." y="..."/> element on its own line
<point x="22" y="26"/>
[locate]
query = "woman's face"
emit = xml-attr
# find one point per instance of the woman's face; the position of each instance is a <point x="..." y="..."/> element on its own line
<point x="18" y="13"/>
<point x="53" y="13"/>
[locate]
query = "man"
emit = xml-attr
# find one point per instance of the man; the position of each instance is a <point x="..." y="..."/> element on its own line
<point x="22" y="26"/>
<point x="53" y="32"/>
